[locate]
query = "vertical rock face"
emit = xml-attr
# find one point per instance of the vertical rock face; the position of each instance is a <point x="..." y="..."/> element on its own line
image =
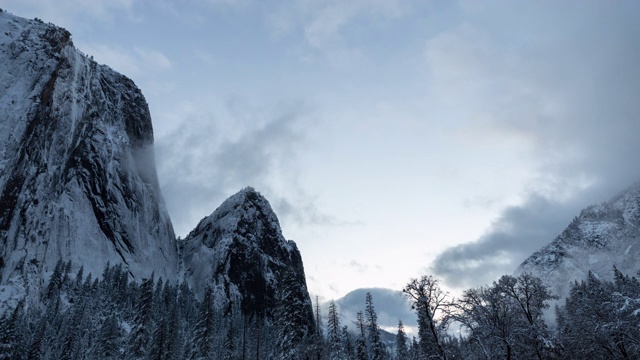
<point x="241" y="252"/>
<point x="600" y="237"/>
<point x="77" y="171"/>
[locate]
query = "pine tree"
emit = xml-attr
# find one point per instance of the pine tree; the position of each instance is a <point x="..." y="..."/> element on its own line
<point x="361" y="343"/>
<point x="317" y="343"/>
<point x="158" y="299"/>
<point x="35" y="346"/>
<point x="291" y="314"/>
<point x="175" y="335"/>
<point x="599" y="318"/>
<point x="402" y="350"/>
<point x="414" y="350"/>
<point x="44" y="331"/>
<point x="77" y="282"/>
<point x="10" y="333"/>
<point x="66" y="280"/>
<point x="204" y="330"/>
<point x="55" y="282"/>
<point x="159" y="339"/>
<point x="188" y="308"/>
<point x="347" y="344"/>
<point x="333" y="333"/>
<point x="72" y="331"/>
<point x="139" y="336"/>
<point x="377" y="349"/>
<point x="109" y="338"/>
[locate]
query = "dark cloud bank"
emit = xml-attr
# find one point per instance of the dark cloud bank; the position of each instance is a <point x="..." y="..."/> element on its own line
<point x="592" y="65"/>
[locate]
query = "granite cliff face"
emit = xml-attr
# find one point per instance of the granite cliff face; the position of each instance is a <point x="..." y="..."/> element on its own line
<point x="77" y="172"/>
<point x="239" y="251"/>
<point x="600" y="237"/>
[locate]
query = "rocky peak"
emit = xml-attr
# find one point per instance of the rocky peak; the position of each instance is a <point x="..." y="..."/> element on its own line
<point x="241" y="248"/>
<point x="246" y="216"/>
<point x="602" y="236"/>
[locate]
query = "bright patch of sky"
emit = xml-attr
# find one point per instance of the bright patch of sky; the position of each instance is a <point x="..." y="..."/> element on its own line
<point x="393" y="138"/>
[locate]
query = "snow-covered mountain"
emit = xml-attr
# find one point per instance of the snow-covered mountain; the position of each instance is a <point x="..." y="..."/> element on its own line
<point x="78" y="182"/>
<point x="240" y="251"/>
<point x="77" y="172"/>
<point x="600" y="237"/>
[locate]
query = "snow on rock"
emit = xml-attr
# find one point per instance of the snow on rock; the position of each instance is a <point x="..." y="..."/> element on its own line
<point x="600" y="237"/>
<point x="77" y="169"/>
<point x="78" y="182"/>
<point x="240" y="251"/>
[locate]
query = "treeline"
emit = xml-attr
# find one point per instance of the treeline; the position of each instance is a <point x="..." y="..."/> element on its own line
<point x="599" y="319"/>
<point x="110" y="317"/>
<point x="81" y="317"/>
<point x="339" y="342"/>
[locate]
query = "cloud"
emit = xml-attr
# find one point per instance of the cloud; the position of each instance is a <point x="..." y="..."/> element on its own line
<point x="305" y="211"/>
<point x="517" y="233"/>
<point x="210" y="156"/>
<point x="152" y="58"/>
<point x="563" y="90"/>
<point x="325" y="26"/>
<point x="358" y="266"/>
<point x="323" y="30"/>
<point x="136" y="62"/>
<point x="69" y="12"/>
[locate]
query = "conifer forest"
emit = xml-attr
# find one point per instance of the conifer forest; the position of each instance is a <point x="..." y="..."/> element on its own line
<point x="109" y="317"/>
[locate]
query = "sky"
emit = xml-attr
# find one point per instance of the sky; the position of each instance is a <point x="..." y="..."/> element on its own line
<point x="393" y="139"/>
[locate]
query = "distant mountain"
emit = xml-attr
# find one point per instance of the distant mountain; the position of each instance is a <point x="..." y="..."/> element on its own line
<point x="391" y="306"/>
<point x="600" y="237"/>
<point x="77" y="171"/>
<point x="240" y="251"/>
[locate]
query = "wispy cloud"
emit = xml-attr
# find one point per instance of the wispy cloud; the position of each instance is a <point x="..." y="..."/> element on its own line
<point x="135" y="62"/>
<point x="209" y="156"/>
<point x="358" y="266"/>
<point x="152" y="58"/>
<point x="70" y="12"/>
<point x="324" y="26"/>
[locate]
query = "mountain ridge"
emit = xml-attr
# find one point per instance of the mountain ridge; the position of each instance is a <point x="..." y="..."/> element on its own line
<point x="600" y="237"/>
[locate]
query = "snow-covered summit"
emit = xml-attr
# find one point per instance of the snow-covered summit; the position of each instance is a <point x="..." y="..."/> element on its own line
<point x="77" y="169"/>
<point x="240" y="250"/>
<point x="245" y="207"/>
<point x="602" y="236"/>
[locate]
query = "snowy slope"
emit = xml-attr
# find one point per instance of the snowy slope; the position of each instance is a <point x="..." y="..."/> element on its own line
<point x="77" y="171"/>
<point x="240" y="251"/>
<point x="600" y="237"/>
